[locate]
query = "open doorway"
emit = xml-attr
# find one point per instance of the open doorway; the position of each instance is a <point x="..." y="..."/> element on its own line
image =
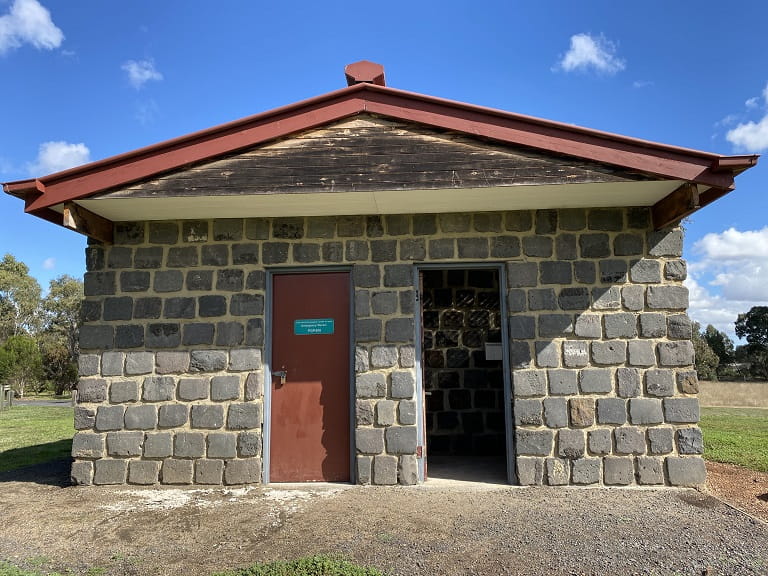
<point x="463" y="376"/>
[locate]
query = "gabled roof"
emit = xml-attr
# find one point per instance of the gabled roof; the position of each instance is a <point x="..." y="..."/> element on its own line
<point x="700" y="177"/>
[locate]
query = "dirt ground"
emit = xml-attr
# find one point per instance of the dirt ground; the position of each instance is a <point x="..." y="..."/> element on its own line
<point x="435" y="529"/>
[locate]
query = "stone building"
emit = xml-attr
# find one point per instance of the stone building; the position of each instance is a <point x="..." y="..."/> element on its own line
<point x="343" y="287"/>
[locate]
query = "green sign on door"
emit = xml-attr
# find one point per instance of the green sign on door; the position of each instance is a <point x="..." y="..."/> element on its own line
<point x="312" y="326"/>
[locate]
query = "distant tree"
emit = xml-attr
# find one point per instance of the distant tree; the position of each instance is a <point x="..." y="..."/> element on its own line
<point x="753" y="326"/>
<point x="22" y="364"/>
<point x="58" y="339"/>
<point x="706" y="361"/>
<point x="19" y="299"/>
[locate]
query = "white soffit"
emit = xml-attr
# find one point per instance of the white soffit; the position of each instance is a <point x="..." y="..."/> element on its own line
<point x="591" y="195"/>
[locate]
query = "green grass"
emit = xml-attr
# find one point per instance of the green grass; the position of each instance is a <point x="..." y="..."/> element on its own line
<point x="320" y="565"/>
<point x="34" y="434"/>
<point x="736" y="436"/>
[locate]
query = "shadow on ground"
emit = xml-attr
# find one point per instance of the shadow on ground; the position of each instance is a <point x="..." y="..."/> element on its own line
<point x="54" y="472"/>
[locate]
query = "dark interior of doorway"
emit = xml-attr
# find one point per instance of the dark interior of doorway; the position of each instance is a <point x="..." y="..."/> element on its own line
<point x="464" y="385"/>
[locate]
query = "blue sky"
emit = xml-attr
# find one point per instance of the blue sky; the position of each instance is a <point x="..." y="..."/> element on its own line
<point x="87" y="79"/>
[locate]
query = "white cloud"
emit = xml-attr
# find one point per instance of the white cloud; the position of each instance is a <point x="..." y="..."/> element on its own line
<point x="752" y="136"/>
<point x="642" y="83"/>
<point x="591" y="52"/>
<point x="49" y="263"/>
<point x="57" y="156"/>
<point x="28" y="22"/>
<point x="147" y="112"/>
<point x="728" y="276"/>
<point x="140" y="72"/>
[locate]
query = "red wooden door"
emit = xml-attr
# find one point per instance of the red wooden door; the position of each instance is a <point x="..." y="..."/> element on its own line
<point x="309" y="434"/>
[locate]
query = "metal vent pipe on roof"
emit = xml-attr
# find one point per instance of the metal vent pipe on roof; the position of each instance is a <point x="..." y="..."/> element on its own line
<point x="364" y="72"/>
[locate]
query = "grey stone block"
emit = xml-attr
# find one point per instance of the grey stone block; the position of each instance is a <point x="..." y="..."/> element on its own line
<point x="209" y="472"/>
<point x="230" y="280"/>
<point x="118" y="308"/>
<point x="94" y="258"/>
<point x="122" y="444"/>
<point x="450" y="222"/>
<point x="384" y="302"/>
<point x="650" y="470"/>
<point x="129" y="336"/>
<point x="566" y="247"/>
<point x="109" y="418"/>
<point x="141" y="417"/>
<point x="366" y="275"/>
<point x="85" y="418"/>
<point x="653" y="325"/>
<point x="91" y="390"/>
<point x="522" y="327"/>
<point x="629" y="440"/>
<point x="362" y="360"/>
<point x="256" y="280"/>
<point x="385" y="470"/>
<point x="172" y="415"/>
<point x="207" y="416"/>
<point x="641" y="353"/>
<point x="606" y="298"/>
<point x="547" y="354"/>
<point x="163" y="232"/>
<point x="562" y="382"/>
<point x="96" y="337"/>
<point x="99" y="283"/>
<point x="557" y="471"/>
<point x="249" y="444"/>
<point x="530" y="471"/>
<point x="194" y="231"/>
<point x="406" y="412"/>
<point x="207" y="361"/>
<point x="633" y="298"/>
<point x="555" y="412"/>
<point x="134" y="281"/>
<point x="179" y="307"/>
<point x="88" y="365"/>
<point x="660" y="440"/>
<point x="610" y="219"/>
<point x="555" y="325"/>
<point x="364" y="465"/>
<point x="527" y="383"/>
<point x="585" y="471"/>
<point x="595" y="381"/>
<point x="109" y="471"/>
<point x="690" y="441"/>
<point x="168" y="281"/>
<point x="305" y="252"/>
<point x="645" y="271"/>
<point x="638" y="218"/>
<point x="407" y="470"/>
<point x="229" y="334"/>
<point x="198" y="333"/>
<point x="528" y="412"/>
<point x="370" y="385"/>
<point x="288" y="228"/>
<point x="172" y="362"/>
<point x="199" y="280"/>
<point x="588" y="326"/>
<point x="129" y="232"/>
<point x="400" y="439"/>
<point x="675" y="353"/>
<point x="139" y="363"/>
<point x="158" y="445"/>
<point x="254" y="386"/>
<point x="611" y="411"/>
<point x="520" y="354"/>
<point x="542" y="299"/>
<point x="383" y="250"/>
<point x="487" y="222"/>
<point x="158" y="388"/>
<point x="399" y="330"/>
<point x="645" y="411"/>
<point x="570" y="444"/>
<point x="163" y="336"/>
<point x="350" y="226"/>
<point x="534" y="442"/>
<point x="189" y="445"/>
<point x="441" y="248"/>
<point x="676" y="270"/>
<point x="369" y="440"/>
<point x="660" y="382"/>
<point x="177" y="471"/>
<point x="618" y="471"/>
<point x="522" y="274"/>
<point x="424" y="225"/>
<point x="321" y="227"/>
<point x="667" y="242"/>
<point x="627" y="382"/>
<point x="667" y="297"/>
<point x="613" y="271"/>
<point x="686" y="471"/>
<point x="584" y="272"/>
<point x="609" y="352"/>
<point x="502" y="247"/>
<point x="222" y="445"/>
<point x="403" y="384"/>
<point x="384" y="356"/>
<point x="518" y="221"/>
<point x="211" y="306"/>
<point x="143" y="472"/>
<point x="368" y="330"/>
<point x="538" y="246"/>
<point x="193" y="389"/>
<point x="599" y="441"/>
<point x="87" y="445"/>
<point x="594" y="245"/>
<point x="574" y="298"/>
<point x="555" y="272"/>
<point x="620" y="325"/>
<point x="573" y="219"/>
<point x="628" y="245"/>
<point x="364" y="413"/>
<point x="688" y="382"/>
<point x="82" y="473"/>
<point x="581" y="412"/>
<point x="274" y="253"/>
<point x="214" y="255"/>
<point x="362" y="303"/>
<point x="254" y="332"/>
<point x="244" y="416"/>
<point x="225" y="387"/>
<point x="679" y="327"/>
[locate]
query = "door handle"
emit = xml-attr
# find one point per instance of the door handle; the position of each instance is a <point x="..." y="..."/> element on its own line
<point x="282" y="374"/>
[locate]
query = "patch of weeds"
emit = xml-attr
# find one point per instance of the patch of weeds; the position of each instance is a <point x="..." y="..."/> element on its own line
<point x="11" y="570"/>
<point x="320" y="565"/>
<point x="95" y="571"/>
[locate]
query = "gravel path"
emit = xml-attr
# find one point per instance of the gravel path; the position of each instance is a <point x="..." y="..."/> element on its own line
<point x="435" y="529"/>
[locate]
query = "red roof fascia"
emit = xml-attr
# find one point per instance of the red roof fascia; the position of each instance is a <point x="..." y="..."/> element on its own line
<point x="663" y="160"/>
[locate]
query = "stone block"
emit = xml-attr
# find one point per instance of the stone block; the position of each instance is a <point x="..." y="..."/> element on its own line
<point x="406" y="412"/>
<point x="547" y="354"/>
<point x="562" y="382"/>
<point x="627" y="382"/>
<point x="364" y="413"/>
<point x="137" y="363"/>
<point x="686" y="471"/>
<point x="109" y="471"/>
<point x="198" y="333"/>
<point x="142" y="417"/>
<point x="254" y="332"/>
<point x="555" y="325"/>
<point x="650" y="471"/>
<point x="179" y="307"/>
<point x="679" y="327"/>
<point x="620" y="325"/>
<point x="273" y="253"/>
<point x="407" y="470"/>
<point x="574" y="298"/>
<point x="207" y="361"/>
<point x="305" y="253"/>
<point x="207" y="416"/>
<point x="688" y="382"/>
<point x="530" y="471"/>
<point x="645" y="271"/>
<point x="609" y="219"/>
<point x="163" y="336"/>
<point x="222" y="445"/>
<point x="667" y="297"/>
<point x="82" y="473"/>
<point x="618" y="471"/>
<point x="534" y="442"/>
<point x="595" y="381"/>
<point x="474" y="248"/>
<point x="350" y="226"/>
<point x="368" y="330"/>
<point x="209" y="472"/>
<point x="99" y="283"/>
<point x="199" y="280"/>
<point x="522" y="327"/>
<point x="501" y="247"/>
<point x="555" y="412"/>
<point x="690" y="441"/>
<point x="606" y="298"/>
<point x="599" y="441"/>
<point x="629" y="440"/>
<point x="528" y="412"/>
<point x="85" y="418"/>
<point x="194" y="231"/>
<point x="122" y="444"/>
<point x="584" y="272"/>
<point x="158" y="445"/>
<point x="454" y="222"/>
<point x="95" y="337"/>
<point x="94" y="258"/>
<point x="675" y="353"/>
<point x="366" y="275"/>
<point x="254" y="386"/>
<point x="400" y="439"/>
<point x="645" y="411"/>
<point x="384" y="302"/>
<point x="659" y="382"/>
<point x="193" y="389"/>
<point x="588" y="326"/>
<point x="611" y="411"/>
<point x="172" y="415"/>
<point x="385" y="412"/>
<point x="385" y="470"/>
<point x="556" y="272"/>
<point x="129" y="232"/>
<point x="675" y="270"/>
<point x="212" y="306"/>
<point x="370" y="385"/>
<point x="177" y="471"/>
<point x="87" y="445"/>
<point x="214" y="255"/>
<point x="585" y="471"/>
<point x="557" y="471"/>
<point x="244" y="416"/>
<point x="641" y="353"/>
<point x="118" y="308"/>
<point x="566" y="247"/>
<point x="628" y="244"/>
<point x="611" y="352"/>
<point x="362" y="303"/>
<point x="225" y="387"/>
<point x="158" y="388"/>
<point x="144" y="308"/>
<point x="172" y="362"/>
<point x="582" y="412"/>
<point x="189" y="445"/>
<point x="384" y="356"/>
<point x="570" y="444"/>
<point x="109" y="418"/>
<point x="528" y="383"/>
<point x="88" y="365"/>
<point x="129" y="336"/>
<point x="520" y="354"/>
<point x="668" y="242"/>
<point x="538" y="246"/>
<point x="321" y="227"/>
<point x="249" y="444"/>
<point x="403" y="384"/>
<point x="660" y="440"/>
<point x="230" y="280"/>
<point x="91" y="390"/>
<point x="134" y="281"/>
<point x="594" y="245"/>
<point x="163" y="232"/>
<point x="522" y="274"/>
<point x="399" y="330"/>
<point x="441" y="248"/>
<point x="168" y="281"/>
<point x="362" y="360"/>
<point x="633" y="297"/>
<point x="364" y="466"/>
<point x="256" y="280"/>
<point x="123" y="391"/>
<point x="369" y="440"/>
